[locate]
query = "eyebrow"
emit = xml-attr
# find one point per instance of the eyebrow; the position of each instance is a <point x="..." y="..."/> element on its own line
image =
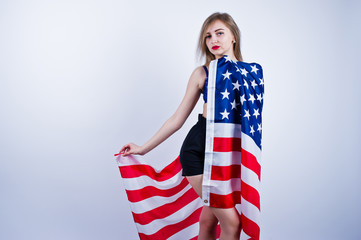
<point x="216" y="30"/>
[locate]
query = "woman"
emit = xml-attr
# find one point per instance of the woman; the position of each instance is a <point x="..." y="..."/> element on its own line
<point x="219" y="36"/>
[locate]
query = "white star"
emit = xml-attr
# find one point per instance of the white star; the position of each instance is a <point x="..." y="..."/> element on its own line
<point x="226" y="75"/>
<point x="254" y="68"/>
<point x="236" y="85"/>
<point x="247" y="114"/>
<point x="237" y="69"/>
<point x="252" y="131"/>
<point x="225" y="94"/>
<point x="259" y="97"/>
<point x="254" y="84"/>
<point x="234" y="105"/>
<point x="259" y="127"/>
<point x="228" y="59"/>
<point x="242" y="99"/>
<point x="225" y="114"/>
<point x="245" y="84"/>
<point x="261" y="81"/>
<point x="251" y="98"/>
<point x="256" y="112"/>
<point x="244" y="72"/>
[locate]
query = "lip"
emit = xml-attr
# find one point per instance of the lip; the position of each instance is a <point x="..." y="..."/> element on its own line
<point x="215" y="47"/>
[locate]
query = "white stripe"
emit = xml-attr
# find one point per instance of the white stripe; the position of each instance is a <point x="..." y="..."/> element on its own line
<point x="250" y="146"/>
<point x="244" y="236"/>
<point x="227" y="130"/>
<point x="145" y="181"/>
<point x="208" y="159"/>
<point x="226" y="187"/>
<point x="250" y="211"/>
<point x="176" y="217"/>
<point x="250" y="177"/>
<point x="226" y="158"/>
<point x="186" y="233"/>
<point x="154" y="202"/>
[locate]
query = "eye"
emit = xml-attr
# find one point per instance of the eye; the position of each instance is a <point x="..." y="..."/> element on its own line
<point x="208" y="36"/>
<point x="219" y="33"/>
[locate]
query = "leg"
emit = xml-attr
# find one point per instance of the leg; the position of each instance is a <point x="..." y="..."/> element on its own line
<point x="207" y="221"/>
<point x="228" y="217"/>
<point x="229" y="221"/>
<point x="207" y="225"/>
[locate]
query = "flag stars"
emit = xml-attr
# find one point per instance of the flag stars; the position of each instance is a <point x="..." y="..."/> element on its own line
<point x="225" y="94"/>
<point x="242" y="98"/>
<point x="254" y="84"/>
<point x="228" y="59"/>
<point x="226" y="75"/>
<point x="247" y="115"/>
<point x="259" y="127"/>
<point x="259" y="97"/>
<point x="225" y="114"/>
<point x="256" y="112"/>
<point x="254" y="69"/>
<point x="251" y="98"/>
<point x="245" y="84"/>
<point x="234" y="104"/>
<point x="252" y="130"/>
<point x="236" y="85"/>
<point x="244" y="72"/>
<point x="261" y="81"/>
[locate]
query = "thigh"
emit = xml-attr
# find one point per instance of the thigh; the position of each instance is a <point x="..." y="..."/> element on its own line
<point x="196" y="183"/>
<point x="226" y="216"/>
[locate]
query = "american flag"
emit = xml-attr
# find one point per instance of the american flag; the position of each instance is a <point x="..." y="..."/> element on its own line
<point x="163" y="204"/>
<point x="232" y="170"/>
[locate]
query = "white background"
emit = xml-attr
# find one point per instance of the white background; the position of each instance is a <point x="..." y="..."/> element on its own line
<point x="78" y="79"/>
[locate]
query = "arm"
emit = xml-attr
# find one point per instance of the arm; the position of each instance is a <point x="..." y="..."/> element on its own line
<point x="176" y="121"/>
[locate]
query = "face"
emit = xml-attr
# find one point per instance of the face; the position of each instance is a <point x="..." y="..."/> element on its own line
<point x="219" y="40"/>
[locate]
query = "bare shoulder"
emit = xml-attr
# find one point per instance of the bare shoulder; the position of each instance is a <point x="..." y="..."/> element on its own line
<point x="199" y="76"/>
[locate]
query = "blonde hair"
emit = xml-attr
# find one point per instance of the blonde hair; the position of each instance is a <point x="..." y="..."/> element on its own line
<point x="229" y="22"/>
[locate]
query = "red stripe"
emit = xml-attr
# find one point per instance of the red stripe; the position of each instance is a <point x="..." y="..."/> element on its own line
<point x="250" y="162"/>
<point x="250" y="194"/>
<point x="170" y="230"/>
<point x="134" y="171"/>
<point x="225" y="201"/>
<point x="167" y="209"/>
<point x="150" y="191"/>
<point x="225" y="173"/>
<point x="250" y="228"/>
<point x="226" y="144"/>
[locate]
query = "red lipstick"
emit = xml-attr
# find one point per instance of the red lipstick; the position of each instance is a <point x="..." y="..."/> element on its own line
<point x="215" y="47"/>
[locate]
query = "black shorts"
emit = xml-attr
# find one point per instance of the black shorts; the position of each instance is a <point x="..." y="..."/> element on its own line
<point x="192" y="151"/>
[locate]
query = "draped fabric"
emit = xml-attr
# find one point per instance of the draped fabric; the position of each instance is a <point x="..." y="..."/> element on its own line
<point x="163" y="204"/>
<point x="232" y="170"/>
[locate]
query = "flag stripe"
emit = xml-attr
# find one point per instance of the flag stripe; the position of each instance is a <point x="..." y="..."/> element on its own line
<point x="171" y="229"/>
<point x="250" y="227"/>
<point x="151" y="191"/>
<point x="154" y="202"/>
<point x="224" y="173"/>
<point x="250" y="162"/>
<point x="173" y="218"/>
<point x="166" y="209"/>
<point x="225" y="201"/>
<point x="250" y="194"/>
<point x="140" y="170"/>
<point x="226" y="144"/>
<point x="144" y="181"/>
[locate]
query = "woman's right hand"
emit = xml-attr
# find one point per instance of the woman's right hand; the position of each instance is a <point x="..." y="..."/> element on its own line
<point x="131" y="148"/>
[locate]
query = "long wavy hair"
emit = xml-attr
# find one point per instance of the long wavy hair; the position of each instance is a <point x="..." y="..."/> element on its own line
<point x="230" y="23"/>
